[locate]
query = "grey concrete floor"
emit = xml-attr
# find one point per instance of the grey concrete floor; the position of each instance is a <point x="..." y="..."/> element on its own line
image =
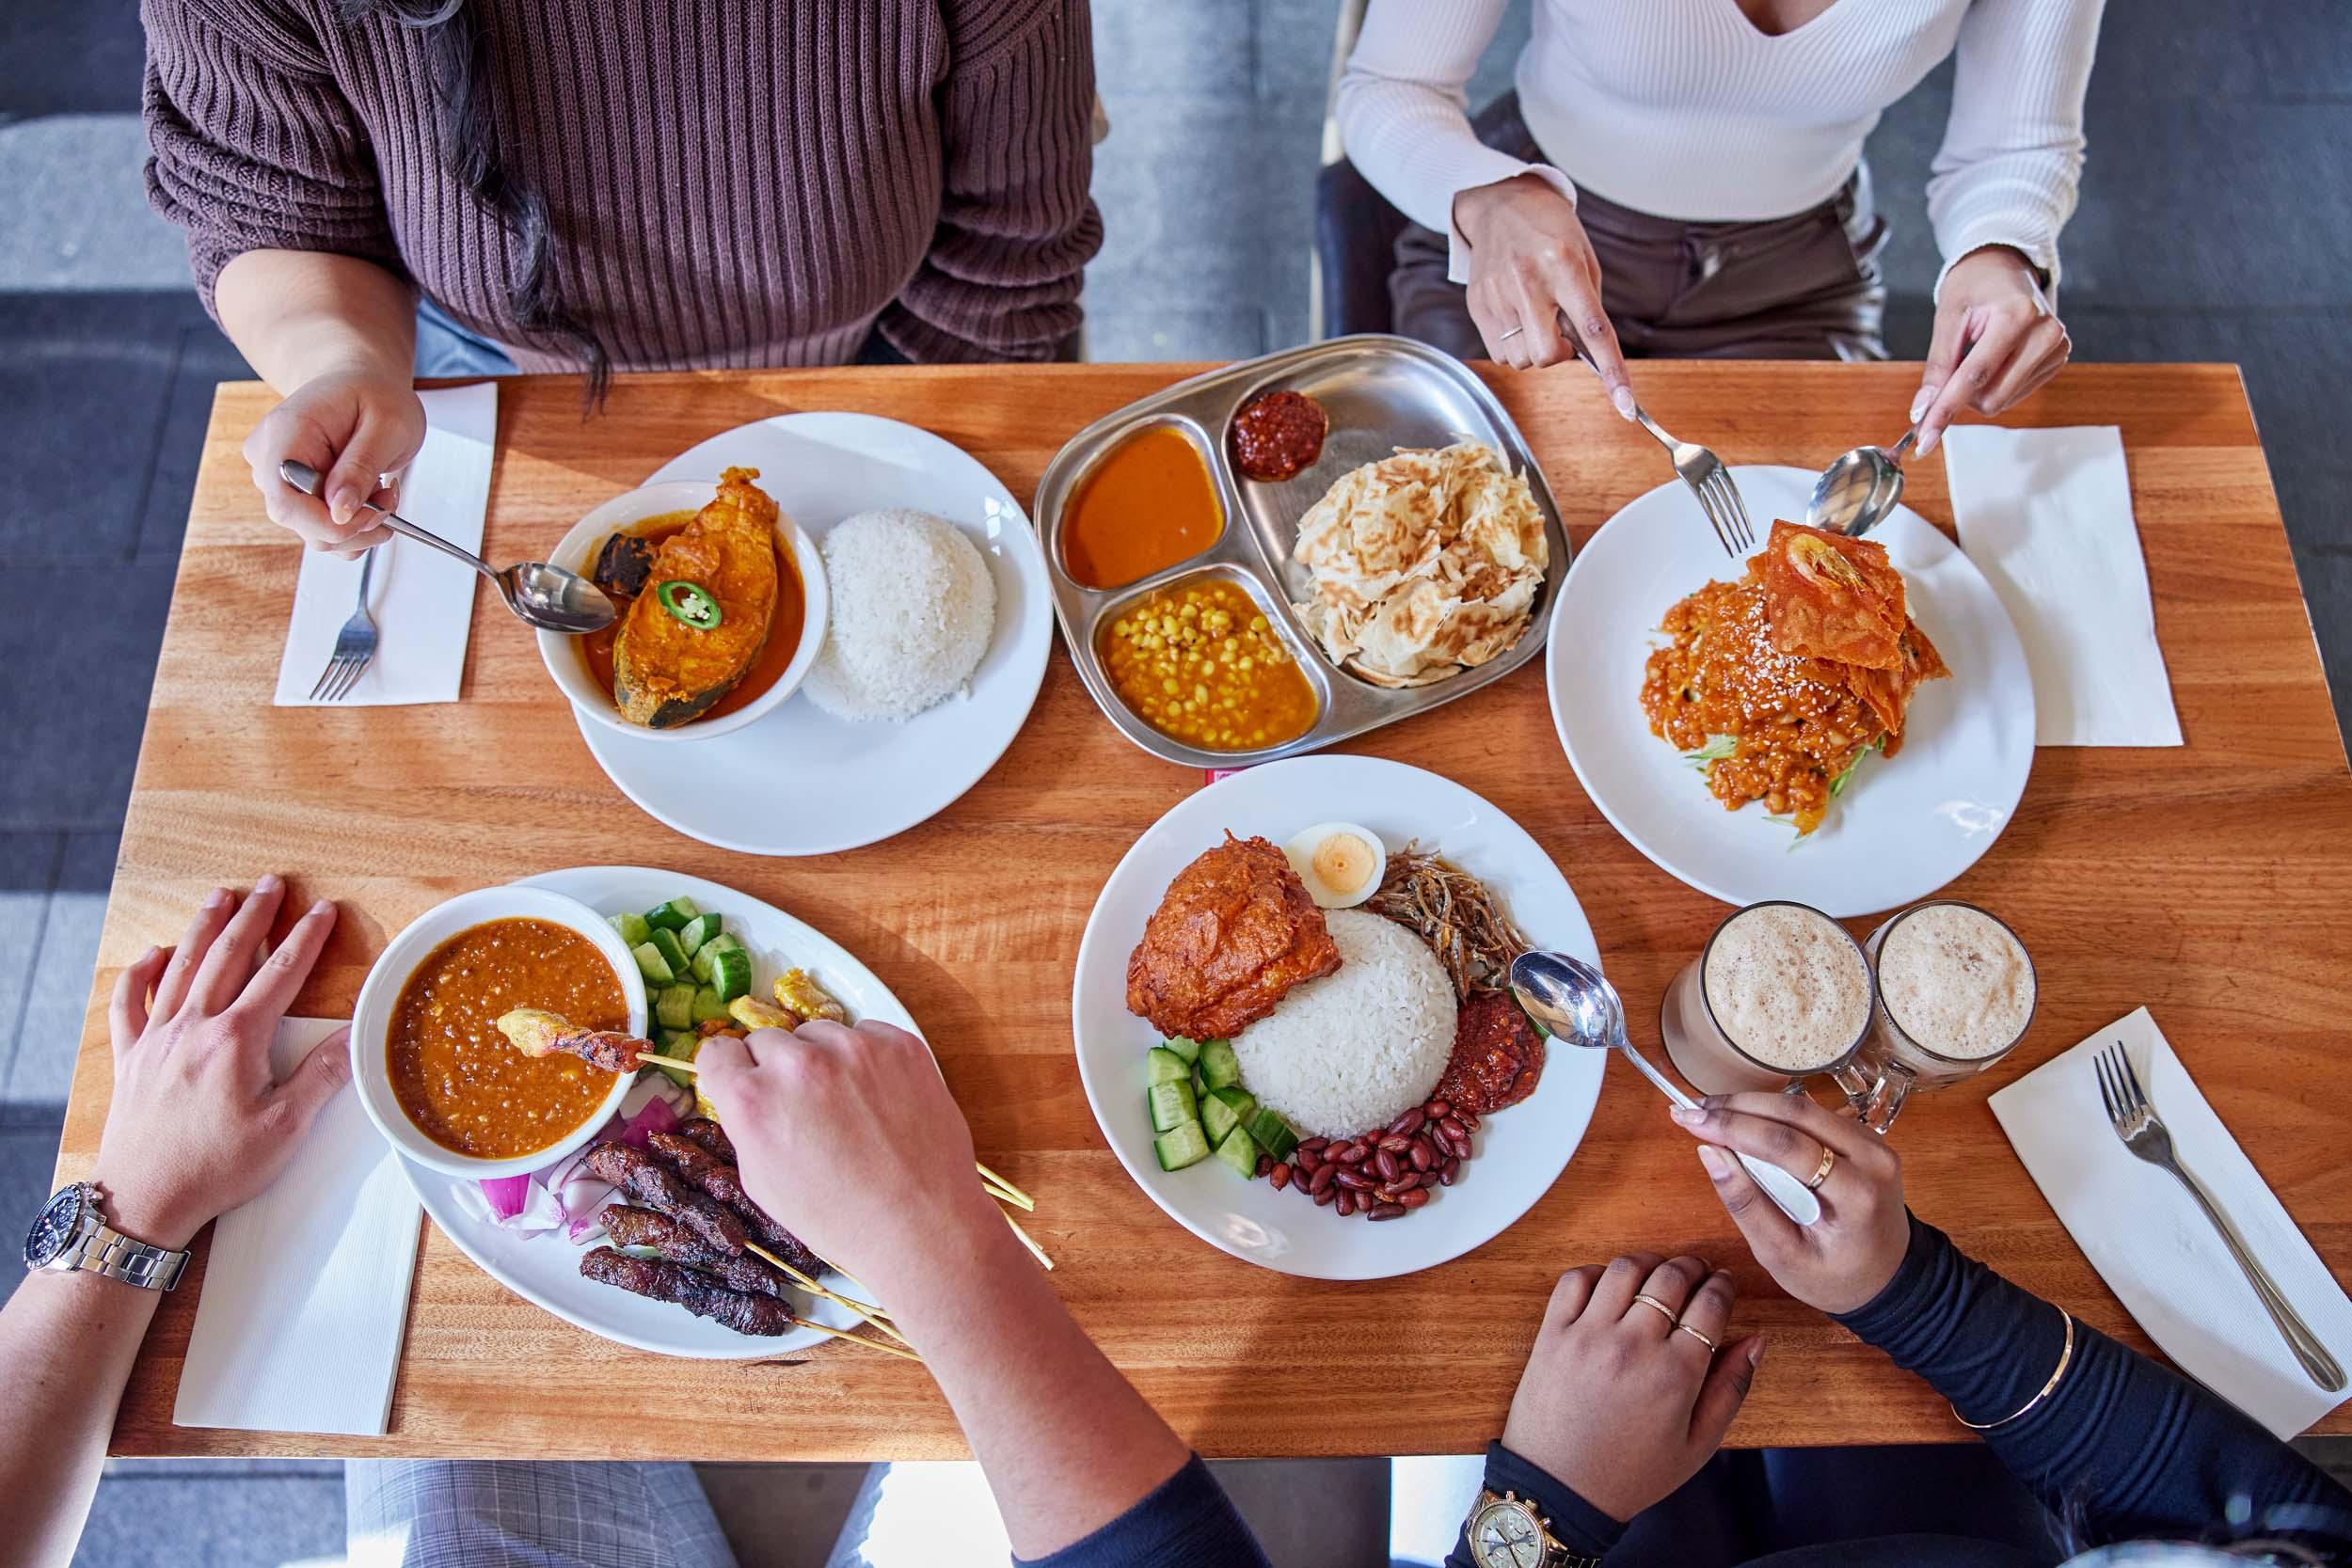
<point x="2217" y="214"/>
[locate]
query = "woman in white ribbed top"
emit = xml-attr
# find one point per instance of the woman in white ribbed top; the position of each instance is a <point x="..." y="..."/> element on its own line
<point x="1723" y="117"/>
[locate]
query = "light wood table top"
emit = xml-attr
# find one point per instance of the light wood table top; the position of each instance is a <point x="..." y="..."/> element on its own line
<point x="2209" y="883"/>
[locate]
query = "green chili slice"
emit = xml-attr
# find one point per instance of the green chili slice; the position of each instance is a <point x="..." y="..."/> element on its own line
<point x="691" y="603"/>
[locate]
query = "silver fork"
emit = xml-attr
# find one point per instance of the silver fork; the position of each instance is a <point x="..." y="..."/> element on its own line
<point x="355" y="646"/>
<point x="1699" y="468"/>
<point x="2144" y="1134"/>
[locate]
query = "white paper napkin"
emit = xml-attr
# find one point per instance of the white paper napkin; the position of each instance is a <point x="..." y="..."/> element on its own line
<point x="422" y="600"/>
<point x="306" y="1288"/>
<point x="2046" y="517"/>
<point x="2152" y="1243"/>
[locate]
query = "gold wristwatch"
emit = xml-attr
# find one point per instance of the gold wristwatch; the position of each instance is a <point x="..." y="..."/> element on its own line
<point x="1504" y="1531"/>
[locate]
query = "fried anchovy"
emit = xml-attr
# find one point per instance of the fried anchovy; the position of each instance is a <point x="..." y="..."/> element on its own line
<point x="651" y="1185"/>
<point x="681" y="1286"/>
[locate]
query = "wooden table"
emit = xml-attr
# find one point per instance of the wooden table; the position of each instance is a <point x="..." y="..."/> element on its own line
<point x="2211" y="883"/>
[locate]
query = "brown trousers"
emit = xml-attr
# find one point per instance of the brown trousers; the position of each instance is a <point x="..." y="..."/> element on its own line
<point x="1805" y="287"/>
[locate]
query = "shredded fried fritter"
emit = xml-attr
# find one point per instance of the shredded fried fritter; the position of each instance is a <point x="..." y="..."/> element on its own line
<point x="1456" y="914"/>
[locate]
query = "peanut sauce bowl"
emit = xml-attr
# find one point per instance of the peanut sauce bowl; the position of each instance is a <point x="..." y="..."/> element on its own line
<point x="565" y="656"/>
<point x="374" y="1018"/>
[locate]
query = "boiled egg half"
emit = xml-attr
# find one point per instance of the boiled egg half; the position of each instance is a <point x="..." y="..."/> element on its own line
<point x="1341" y="863"/>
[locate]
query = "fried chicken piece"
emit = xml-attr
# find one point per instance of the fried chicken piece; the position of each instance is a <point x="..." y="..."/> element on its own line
<point x="797" y="992"/>
<point x="759" y="1315"/>
<point x="643" y="1228"/>
<point x="653" y="1186"/>
<point x="1235" y="933"/>
<point x="720" y="1181"/>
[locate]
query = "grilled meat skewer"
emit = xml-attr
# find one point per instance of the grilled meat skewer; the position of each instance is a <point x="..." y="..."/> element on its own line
<point x="651" y="1184"/>
<point x="712" y="1136"/>
<point x="643" y="1228"/>
<point x="535" y="1033"/>
<point x="722" y="1181"/>
<point x="681" y="1286"/>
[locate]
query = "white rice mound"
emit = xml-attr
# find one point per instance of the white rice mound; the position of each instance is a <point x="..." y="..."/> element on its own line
<point x="911" y="607"/>
<point x="1353" y="1050"/>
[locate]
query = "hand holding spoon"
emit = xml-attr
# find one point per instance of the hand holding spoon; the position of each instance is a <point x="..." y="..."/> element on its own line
<point x="539" y="594"/>
<point x="1570" y="1001"/>
<point x="1857" y="492"/>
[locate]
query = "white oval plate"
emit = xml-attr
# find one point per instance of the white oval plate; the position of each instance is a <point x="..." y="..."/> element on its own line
<point x="801" y="782"/>
<point x="1520" y="1151"/>
<point x="544" y="1269"/>
<point x="1905" y="827"/>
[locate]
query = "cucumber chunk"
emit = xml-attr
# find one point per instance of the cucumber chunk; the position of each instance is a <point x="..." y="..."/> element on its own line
<point x="698" y="931"/>
<point x="674" y="1007"/>
<point x="1185" y="1145"/>
<point x="1163" y="1065"/>
<point x="680" y="1047"/>
<point x="1221" y="1115"/>
<point x="632" y="927"/>
<point x="731" y="975"/>
<point x="1188" y="1049"/>
<point x="672" y="915"/>
<point x="708" y="1006"/>
<point x="1239" y="1152"/>
<point x="1272" y="1133"/>
<point x="1171" y="1105"/>
<point x="665" y="942"/>
<point x="652" y="965"/>
<point x="1219" y="1067"/>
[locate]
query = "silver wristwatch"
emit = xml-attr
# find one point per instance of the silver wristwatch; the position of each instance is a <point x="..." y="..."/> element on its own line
<point x="72" y="1233"/>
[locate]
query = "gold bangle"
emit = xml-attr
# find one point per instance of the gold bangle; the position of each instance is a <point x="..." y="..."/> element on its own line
<point x="2066" y="1357"/>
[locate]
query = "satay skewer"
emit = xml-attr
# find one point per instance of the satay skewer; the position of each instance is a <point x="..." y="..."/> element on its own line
<point x="871" y="1313"/>
<point x="844" y="1334"/>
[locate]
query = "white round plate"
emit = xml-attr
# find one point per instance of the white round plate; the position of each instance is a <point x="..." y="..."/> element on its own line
<point x="1905" y="827"/>
<point x="544" y="1269"/>
<point x="801" y="782"/>
<point x="1520" y="1151"/>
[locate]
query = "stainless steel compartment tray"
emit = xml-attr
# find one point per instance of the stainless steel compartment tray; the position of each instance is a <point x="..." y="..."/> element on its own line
<point x="1381" y="393"/>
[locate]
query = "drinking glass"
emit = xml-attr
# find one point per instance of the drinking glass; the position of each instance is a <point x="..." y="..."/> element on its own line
<point x="1709" y="1060"/>
<point x="1892" y="1066"/>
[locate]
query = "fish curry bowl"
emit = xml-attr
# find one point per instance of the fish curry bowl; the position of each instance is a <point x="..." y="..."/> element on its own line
<point x="723" y="609"/>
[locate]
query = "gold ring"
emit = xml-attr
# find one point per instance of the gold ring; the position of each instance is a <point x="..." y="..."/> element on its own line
<point x="1820" y="1172"/>
<point x="1711" y="1346"/>
<point x="1660" y="1307"/>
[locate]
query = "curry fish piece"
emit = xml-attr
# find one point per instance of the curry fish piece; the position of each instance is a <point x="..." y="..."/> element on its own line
<point x="1235" y="933"/>
<point x="666" y="673"/>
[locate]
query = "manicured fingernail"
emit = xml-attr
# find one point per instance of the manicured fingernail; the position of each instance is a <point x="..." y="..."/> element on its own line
<point x="1687" y="1119"/>
<point x="270" y="882"/>
<point x="1623" y="397"/>
<point x="1713" y="1161"/>
<point x="341" y="505"/>
<point x="215" y="899"/>
<point x="324" y="905"/>
<point x="1926" y="442"/>
<point x="1920" y="404"/>
<point x="1755" y="1356"/>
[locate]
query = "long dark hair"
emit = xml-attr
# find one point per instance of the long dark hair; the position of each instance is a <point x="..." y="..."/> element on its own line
<point x="467" y="136"/>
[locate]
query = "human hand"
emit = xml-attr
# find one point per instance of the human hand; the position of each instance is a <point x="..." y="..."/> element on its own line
<point x="1844" y="1259"/>
<point x="1530" y="266"/>
<point x="352" y="425"/>
<point x="1996" y="339"/>
<point x="849" y="1137"/>
<point x="1616" y="1401"/>
<point x="195" y="1125"/>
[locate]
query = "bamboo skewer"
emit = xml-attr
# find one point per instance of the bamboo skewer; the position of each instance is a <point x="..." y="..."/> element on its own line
<point x="870" y="1344"/>
<point x="871" y="1313"/>
<point x="1036" y="1251"/>
<point x="1005" y="1189"/>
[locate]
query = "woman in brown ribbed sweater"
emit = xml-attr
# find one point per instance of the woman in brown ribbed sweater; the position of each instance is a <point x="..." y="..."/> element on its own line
<point x="639" y="184"/>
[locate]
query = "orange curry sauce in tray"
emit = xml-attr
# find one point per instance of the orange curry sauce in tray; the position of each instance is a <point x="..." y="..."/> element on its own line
<point x="462" y="1082"/>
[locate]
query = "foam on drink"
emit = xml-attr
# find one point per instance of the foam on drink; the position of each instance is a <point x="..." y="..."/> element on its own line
<point x="1955" y="981"/>
<point x="1787" y="986"/>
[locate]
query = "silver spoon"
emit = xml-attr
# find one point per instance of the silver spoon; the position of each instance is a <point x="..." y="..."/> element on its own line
<point x="1569" y="1000"/>
<point x="1855" y="493"/>
<point x="542" y="595"/>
